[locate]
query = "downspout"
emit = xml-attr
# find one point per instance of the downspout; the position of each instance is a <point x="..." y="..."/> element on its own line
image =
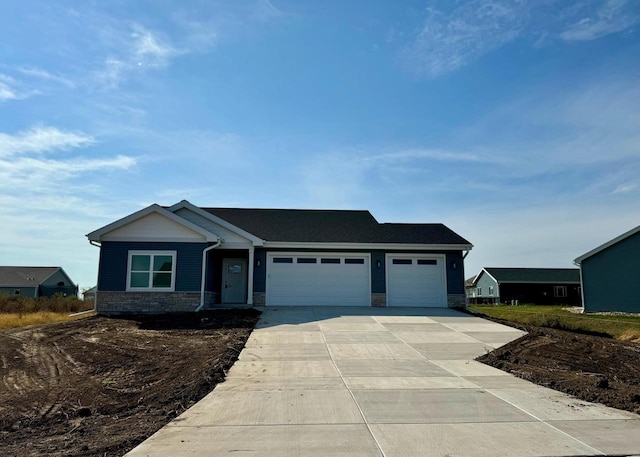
<point x="579" y="265"/>
<point x="95" y="298"/>
<point x="204" y="270"/>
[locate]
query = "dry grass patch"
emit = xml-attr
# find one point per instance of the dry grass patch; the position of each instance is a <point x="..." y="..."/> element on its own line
<point x="18" y="311"/>
<point x="621" y="327"/>
<point x="13" y="320"/>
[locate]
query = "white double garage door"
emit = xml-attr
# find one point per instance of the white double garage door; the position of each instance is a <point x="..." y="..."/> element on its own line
<point x="327" y="279"/>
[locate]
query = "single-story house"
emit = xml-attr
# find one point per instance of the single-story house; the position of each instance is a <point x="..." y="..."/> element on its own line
<point x="610" y="275"/>
<point x="540" y="286"/>
<point x="90" y="294"/>
<point x="36" y="281"/>
<point x="186" y="258"/>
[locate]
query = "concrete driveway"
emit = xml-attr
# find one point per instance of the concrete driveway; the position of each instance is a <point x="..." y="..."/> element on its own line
<point x="365" y="382"/>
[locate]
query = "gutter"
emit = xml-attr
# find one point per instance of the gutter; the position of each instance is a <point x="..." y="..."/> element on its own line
<point x="204" y="269"/>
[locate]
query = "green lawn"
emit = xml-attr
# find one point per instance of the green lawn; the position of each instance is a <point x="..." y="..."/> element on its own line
<point x="619" y="327"/>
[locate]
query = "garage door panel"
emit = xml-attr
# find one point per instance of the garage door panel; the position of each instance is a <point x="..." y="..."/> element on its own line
<point x="318" y="279"/>
<point x="416" y="281"/>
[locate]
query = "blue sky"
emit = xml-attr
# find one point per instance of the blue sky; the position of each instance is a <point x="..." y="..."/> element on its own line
<point x="516" y="123"/>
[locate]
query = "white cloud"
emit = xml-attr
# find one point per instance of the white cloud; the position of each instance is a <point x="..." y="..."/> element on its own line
<point x="24" y="174"/>
<point x="6" y="93"/>
<point x="451" y="40"/>
<point x="149" y="49"/>
<point x="612" y="16"/>
<point x="133" y="50"/>
<point x="10" y="89"/>
<point x="625" y="188"/>
<point x="434" y="154"/>
<point x="41" y="139"/>
<point x="448" y="42"/>
<point x="47" y="76"/>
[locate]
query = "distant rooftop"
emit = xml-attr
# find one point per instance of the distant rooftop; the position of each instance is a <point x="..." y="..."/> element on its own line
<point x="546" y="275"/>
<point x="25" y="276"/>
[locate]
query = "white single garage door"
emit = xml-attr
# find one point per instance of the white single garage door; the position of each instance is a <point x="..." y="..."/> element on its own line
<point x="317" y="279"/>
<point x="416" y="280"/>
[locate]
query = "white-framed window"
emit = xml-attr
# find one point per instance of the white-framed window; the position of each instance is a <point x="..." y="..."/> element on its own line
<point x="491" y="291"/>
<point x="151" y="270"/>
<point x="479" y="291"/>
<point x="560" y="291"/>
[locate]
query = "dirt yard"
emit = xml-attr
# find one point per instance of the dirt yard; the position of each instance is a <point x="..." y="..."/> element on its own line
<point x="592" y="368"/>
<point x="98" y="386"/>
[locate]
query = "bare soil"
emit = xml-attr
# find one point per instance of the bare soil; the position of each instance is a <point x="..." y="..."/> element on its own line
<point x="592" y="368"/>
<point x="99" y="386"/>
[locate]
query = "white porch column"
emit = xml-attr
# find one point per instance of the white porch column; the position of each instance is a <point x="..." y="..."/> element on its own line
<point x="250" y="278"/>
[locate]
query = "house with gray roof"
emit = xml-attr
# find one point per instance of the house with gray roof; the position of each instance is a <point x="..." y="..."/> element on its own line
<point x="610" y="275"/>
<point x="36" y="281"/>
<point x="540" y="286"/>
<point x="187" y="258"/>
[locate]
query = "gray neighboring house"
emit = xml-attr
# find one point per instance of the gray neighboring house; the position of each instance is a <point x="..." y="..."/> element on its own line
<point x="90" y="294"/>
<point x="186" y="258"/>
<point x="540" y="286"/>
<point x="36" y="282"/>
<point x="610" y="275"/>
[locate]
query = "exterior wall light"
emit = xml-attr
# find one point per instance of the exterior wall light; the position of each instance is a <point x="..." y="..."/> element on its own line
<point x="378" y="264"/>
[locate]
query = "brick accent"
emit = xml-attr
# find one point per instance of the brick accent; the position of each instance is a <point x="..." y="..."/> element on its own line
<point x="113" y="303"/>
<point x="259" y="298"/>
<point x="379" y="300"/>
<point x="456" y="301"/>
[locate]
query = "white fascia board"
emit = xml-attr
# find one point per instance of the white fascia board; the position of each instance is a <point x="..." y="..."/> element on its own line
<point x="373" y="246"/>
<point x="155" y="208"/>
<point x="604" y="246"/>
<point x="490" y="275"/>
<point x="213" y="218"/>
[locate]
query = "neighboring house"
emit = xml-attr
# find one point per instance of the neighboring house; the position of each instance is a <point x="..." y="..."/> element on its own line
<point x="470" y="288"/>
<point x="90" y="294"/>
<point x="610" y="275"/>
<point x="36" y="281"/>
<point x="186" y="258"/>
<point x="540" y="286"/>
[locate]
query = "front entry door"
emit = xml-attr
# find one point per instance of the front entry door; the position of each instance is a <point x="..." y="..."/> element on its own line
<point x="234" y="280"/>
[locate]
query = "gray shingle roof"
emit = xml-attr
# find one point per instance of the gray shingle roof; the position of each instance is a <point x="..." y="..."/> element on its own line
<point x="24" y="276"/>
<point x="547" y="275"/>
<point x="327" y="226"/>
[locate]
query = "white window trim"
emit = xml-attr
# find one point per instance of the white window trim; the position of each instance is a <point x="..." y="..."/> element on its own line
<point x="173" y="254"/>
<point x="491" y="291"/>
<point x="563" y="289"/>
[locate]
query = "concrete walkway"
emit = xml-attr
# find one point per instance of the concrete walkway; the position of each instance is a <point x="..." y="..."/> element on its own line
<point x="365" y="382"/>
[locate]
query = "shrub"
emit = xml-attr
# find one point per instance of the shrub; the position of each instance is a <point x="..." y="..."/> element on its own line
<point x="57" y="304"/>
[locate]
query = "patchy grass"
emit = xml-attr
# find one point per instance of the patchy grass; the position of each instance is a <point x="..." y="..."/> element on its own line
<point x="17" y="311"/>
<point x="13" y="320"/>
<point x="626" y="328"/>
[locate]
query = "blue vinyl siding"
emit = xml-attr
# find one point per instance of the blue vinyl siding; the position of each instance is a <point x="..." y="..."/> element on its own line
<point x="611" y="278"/>
<point x="455" y="276"/>
<point x="24" y="291"/>
<point x="378" y="281"/>
<point x="260" y="272"/>
<point x="112" y="274"/>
